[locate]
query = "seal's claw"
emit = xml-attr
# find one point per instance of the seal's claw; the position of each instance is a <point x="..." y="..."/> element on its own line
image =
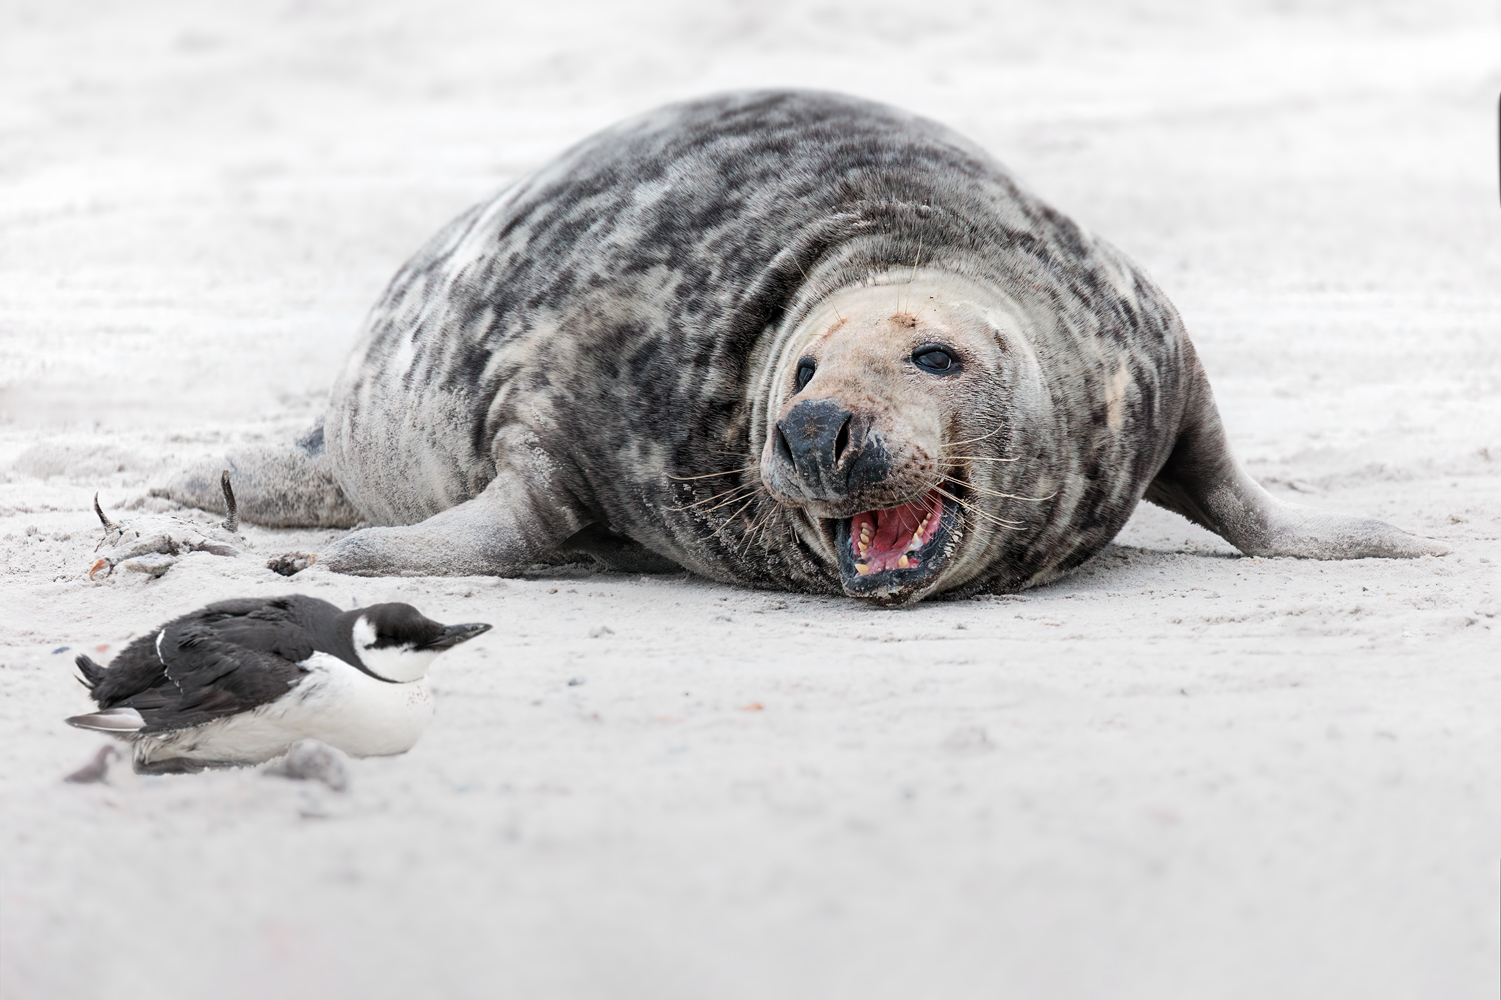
<point x="291" y="563"/>
<point x="103" y="519"/>
<point x="231" y="522"/>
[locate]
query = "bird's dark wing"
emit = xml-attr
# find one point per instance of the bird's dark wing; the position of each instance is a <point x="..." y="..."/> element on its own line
<point x="138" y="667"/>
<point x="279" y="625"/>
<point x="278" y="628"/>
<point x="207" y="678"/>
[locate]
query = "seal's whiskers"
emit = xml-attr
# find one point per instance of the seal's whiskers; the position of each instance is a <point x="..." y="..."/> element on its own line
<point x="982" y="437"/>
<point x="731" y="518"/>
<point x="973" y="509"/>
<point x="757" y="530"/>
<point x="1008" y="496"/>
<point x="911" y="277"/>
<point x="729" y="493"/>
<point x="709" y="475"/>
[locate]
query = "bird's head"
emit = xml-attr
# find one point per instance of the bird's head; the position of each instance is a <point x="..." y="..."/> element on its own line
<point x="396" y="642"/>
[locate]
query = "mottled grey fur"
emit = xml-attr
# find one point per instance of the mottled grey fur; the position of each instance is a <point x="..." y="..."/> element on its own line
<point x="592" y="359"/>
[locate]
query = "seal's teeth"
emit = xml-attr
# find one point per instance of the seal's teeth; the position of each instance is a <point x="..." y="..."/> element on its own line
<point x="903" y="562"/>
<point x="862" y="568"/>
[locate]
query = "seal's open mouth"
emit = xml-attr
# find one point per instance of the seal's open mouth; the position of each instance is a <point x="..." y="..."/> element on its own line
<point x="894" y="552"/>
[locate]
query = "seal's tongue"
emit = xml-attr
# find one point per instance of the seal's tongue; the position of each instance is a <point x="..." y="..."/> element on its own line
<point x="893" y="538"/>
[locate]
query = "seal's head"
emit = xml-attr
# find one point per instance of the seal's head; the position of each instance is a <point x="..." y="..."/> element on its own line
<point x="885" y="426"/>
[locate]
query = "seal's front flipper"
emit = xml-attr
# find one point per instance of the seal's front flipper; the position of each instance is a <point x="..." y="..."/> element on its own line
<point x="508" y="527"/>
<point x="1202" y="481"/>
<point x="280" y="486"/>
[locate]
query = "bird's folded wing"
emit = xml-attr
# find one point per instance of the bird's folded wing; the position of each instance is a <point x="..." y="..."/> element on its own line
<point x="208" y="679"/>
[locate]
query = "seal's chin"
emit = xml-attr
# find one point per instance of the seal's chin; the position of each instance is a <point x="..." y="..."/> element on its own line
<point x="894" y="556"/>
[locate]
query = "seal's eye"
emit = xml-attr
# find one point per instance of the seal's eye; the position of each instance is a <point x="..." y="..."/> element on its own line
<point x="805" y="369"/>
<point x="934" y="358"/>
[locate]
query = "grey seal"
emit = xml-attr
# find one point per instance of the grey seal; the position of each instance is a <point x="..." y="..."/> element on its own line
<point x="783" y="339"/>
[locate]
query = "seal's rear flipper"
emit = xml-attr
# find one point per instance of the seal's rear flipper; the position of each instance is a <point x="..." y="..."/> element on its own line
<point x="281" y="486"/>
<point x="1202" y="481"/>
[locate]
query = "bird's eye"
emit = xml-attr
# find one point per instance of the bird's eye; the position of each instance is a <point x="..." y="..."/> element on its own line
<point x="805" y="369"/>
<point x="933" y="358"/>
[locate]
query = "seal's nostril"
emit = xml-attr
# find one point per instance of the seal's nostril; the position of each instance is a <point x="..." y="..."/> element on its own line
<point x="809" y="442"/>
<point x="783" y="449"/>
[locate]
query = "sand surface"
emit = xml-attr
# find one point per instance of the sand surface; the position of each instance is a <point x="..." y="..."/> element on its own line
<point x="1177" y="773"/>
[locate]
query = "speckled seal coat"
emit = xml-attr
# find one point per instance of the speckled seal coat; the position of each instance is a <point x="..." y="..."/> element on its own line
<point x="642" y="351"/>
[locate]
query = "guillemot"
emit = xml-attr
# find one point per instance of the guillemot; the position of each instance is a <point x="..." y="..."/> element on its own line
<point x="239" y="682"/>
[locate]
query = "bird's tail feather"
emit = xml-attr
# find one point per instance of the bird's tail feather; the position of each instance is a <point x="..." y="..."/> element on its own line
<point x="121" y="721"/>
<point x="92" y="672"/>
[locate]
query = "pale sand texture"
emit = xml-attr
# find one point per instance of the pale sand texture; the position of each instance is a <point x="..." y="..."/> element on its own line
<point x="1177" y="773"/>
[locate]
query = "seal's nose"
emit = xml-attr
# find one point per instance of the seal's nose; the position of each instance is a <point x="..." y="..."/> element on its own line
<point x="829" y="449"/>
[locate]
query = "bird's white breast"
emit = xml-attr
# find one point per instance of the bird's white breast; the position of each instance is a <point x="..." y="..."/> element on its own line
<point x="335" y="703"/>
<point x="359" y="714"/>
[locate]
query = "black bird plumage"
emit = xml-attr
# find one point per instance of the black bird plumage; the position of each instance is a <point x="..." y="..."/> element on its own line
<point x="226" y="658"/>
<point x="234" y="656"/>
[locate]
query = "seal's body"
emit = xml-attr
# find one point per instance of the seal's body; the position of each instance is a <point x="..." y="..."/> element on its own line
<point x="784" y="339"/>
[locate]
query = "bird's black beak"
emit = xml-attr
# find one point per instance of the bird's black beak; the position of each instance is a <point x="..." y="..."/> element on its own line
<point x="455" y="634"/>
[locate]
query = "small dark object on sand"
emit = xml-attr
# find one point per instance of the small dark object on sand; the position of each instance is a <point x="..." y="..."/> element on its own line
<point x="312" y="761"/>
<point x="96" y="770"/>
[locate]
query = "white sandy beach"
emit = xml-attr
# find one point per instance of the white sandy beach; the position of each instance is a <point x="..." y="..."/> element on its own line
<point x="1177" y="773"/>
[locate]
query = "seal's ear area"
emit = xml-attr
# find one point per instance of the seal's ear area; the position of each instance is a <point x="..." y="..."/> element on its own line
<point x="1202" y="481"/>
